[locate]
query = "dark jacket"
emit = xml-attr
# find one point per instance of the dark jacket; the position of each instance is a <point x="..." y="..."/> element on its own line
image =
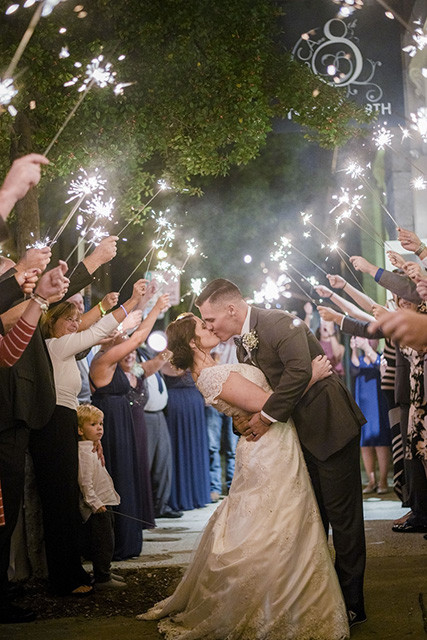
<point x="326" y="417"/>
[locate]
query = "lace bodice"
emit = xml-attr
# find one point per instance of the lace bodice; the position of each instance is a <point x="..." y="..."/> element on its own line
<point x="211" y="380"/>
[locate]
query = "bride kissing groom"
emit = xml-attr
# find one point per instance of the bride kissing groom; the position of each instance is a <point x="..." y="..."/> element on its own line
<point x="263" y="569"/>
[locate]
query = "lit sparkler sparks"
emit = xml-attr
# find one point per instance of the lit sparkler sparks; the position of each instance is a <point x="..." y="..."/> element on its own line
<point x="39" y="244"/>
<point x="163" y="186"/>
<point x="382" y="138"/>
<point x="284" y="250"/>
<point x="97" y="73"/>
<point x="355" y="170"/>
<point x="419" y="184"/>
<point x="85" y="184"/>
<point x="7" y="93"/>
<point x="419" y="37"/>
<point x="420" y="122"/>
<point x="197" y="285"/>
<point x="80" y="188"/>
<point x="100" y="208"/>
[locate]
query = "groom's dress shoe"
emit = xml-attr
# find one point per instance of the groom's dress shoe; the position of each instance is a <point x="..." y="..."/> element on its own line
<point x="409" y="527"/>
<point x="355" y="618"/>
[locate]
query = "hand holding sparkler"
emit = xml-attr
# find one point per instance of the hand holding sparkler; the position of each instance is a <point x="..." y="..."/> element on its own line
<point x="408" y="239"/>
<point x="132" y="320"/>
<point x="34" y="259"/>
<point x="337" y="282"/>
<point x="361" y="264"/>
<point x="323" y="291"/>
<point x="414" y="271"/>
<point x="152" y="288"/>
<point x="103" y="253"/>
<point x="396" y="259"/>
<point x="162" y="303"/>
<point x="138" y="290"/>
<point x="53" y="285"/>
<point x="409" y="328"/>
<point x="330" y="315"/>
<point x="378" y="311"/>
<point x="422" y="289"/>
<point x="110" y="300"/>
<point x="27" y="280"/>
<point x="23" y="174"/>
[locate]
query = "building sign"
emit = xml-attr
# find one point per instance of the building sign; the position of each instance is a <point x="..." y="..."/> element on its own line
<point x="169" y="284"/>
<point x="360" y="53"/>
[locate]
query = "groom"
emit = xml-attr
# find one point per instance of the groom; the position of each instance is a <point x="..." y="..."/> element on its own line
<point x="327" y="419"/>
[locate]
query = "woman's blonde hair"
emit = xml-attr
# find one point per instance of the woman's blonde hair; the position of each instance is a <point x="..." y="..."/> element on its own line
<point x="50" y="318"/>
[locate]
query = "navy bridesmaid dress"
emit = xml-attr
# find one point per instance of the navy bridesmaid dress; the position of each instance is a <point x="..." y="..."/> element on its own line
<point x="121" y="460"/>
<point x="190" y="451"/>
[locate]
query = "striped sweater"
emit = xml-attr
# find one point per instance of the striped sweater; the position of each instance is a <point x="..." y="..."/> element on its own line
<point x="13" y="344"/>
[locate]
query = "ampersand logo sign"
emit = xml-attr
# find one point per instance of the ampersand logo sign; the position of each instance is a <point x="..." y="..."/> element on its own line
<point x="333" y="53"/>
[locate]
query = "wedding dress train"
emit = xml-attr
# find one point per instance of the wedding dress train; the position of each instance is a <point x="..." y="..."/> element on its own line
<point x="262" y="570"/>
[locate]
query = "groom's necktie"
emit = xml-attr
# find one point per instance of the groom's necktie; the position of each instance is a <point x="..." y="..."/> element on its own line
<point x="242" y="354"/>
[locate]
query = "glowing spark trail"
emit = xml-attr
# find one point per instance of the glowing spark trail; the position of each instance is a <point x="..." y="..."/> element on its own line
<point x="102" y="76"/>
<point x="419" y="184"/>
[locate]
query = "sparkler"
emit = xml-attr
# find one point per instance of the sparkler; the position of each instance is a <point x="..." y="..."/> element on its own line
<point x="419" y="184"/>
<point x="196" y="285"/>
<point x="287" y="243"/>
<point x="284" y="266"/>
<point x="102" y="76"/>
<point x="80" y="189"/>
<point x="356" y="171"/>
<point x="162" y="187"/>
<point x="419" y="120"/>
<point x="7" y="93"/>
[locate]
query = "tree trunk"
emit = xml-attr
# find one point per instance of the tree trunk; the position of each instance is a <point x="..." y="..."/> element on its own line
<point x="27" y="209"/>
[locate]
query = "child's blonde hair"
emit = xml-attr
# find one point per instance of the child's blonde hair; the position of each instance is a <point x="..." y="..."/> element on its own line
<point x="87" y="412"/>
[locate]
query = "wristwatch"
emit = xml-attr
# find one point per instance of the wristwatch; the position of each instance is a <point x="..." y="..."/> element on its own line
<point x="420" y="249"/>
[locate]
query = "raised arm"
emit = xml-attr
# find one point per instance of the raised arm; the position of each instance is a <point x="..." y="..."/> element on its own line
<point x="119" y="351"/>
<point x="344" y="305"/>
<point x="361" y="299"/>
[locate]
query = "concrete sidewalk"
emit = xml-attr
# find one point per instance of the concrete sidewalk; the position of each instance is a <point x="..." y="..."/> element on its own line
<point x="396" y="581"/>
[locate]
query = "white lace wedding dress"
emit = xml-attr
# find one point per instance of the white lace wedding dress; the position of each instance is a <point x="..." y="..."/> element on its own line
<point x="262" y="569"/>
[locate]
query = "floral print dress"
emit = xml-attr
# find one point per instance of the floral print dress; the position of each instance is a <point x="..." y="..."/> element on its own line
<point x="416" y="446"/>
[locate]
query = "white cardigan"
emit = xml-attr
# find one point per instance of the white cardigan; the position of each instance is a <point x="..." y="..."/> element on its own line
<point x="62" y="351"/>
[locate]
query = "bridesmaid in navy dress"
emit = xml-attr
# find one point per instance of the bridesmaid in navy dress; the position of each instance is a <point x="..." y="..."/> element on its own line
<point x="137" y="399"/>
<point x="121" y="460"/>
<point x="190" y="450"/>
<point x="110" y="387"/>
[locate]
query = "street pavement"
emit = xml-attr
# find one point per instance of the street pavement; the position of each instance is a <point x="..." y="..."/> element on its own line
<point x="396" y="581"/>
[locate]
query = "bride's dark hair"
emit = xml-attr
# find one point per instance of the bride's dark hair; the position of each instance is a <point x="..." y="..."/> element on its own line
<point x="179" y="334"/>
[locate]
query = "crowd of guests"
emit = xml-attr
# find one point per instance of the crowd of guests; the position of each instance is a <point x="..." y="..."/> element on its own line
<point x="119" y="438"/>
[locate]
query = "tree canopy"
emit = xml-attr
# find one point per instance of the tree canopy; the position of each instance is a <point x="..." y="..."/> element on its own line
<point x="208" y="80"/>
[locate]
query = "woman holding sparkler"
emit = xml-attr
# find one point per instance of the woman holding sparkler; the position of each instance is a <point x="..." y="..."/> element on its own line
<point x="110" y="389"/>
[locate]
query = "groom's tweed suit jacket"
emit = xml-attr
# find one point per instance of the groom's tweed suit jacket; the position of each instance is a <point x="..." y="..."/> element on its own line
<point x="326" y="417"/>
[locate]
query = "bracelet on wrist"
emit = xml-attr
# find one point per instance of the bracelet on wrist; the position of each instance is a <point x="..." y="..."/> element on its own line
<point x="126" y="313"/>
<point x="101" y="310"/>
<point x="420" y="249"/>
<point x="42" y="302"/>
<point x="346" y="283"/>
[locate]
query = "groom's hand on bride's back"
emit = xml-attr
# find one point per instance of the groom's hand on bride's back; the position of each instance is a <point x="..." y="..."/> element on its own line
<point x="255" y="428"/>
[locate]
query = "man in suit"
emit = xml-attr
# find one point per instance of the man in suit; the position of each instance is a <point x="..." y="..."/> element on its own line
<point x="327" y="419"/>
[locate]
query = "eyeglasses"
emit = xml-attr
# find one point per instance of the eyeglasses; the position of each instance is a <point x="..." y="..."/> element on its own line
<point x="72" y="319"/>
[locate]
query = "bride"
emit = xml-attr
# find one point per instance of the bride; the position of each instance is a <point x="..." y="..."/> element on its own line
<point x="262" y="570"/>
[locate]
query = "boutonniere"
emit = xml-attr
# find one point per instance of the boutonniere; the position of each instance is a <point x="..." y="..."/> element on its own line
<point x="250" y="340"/>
